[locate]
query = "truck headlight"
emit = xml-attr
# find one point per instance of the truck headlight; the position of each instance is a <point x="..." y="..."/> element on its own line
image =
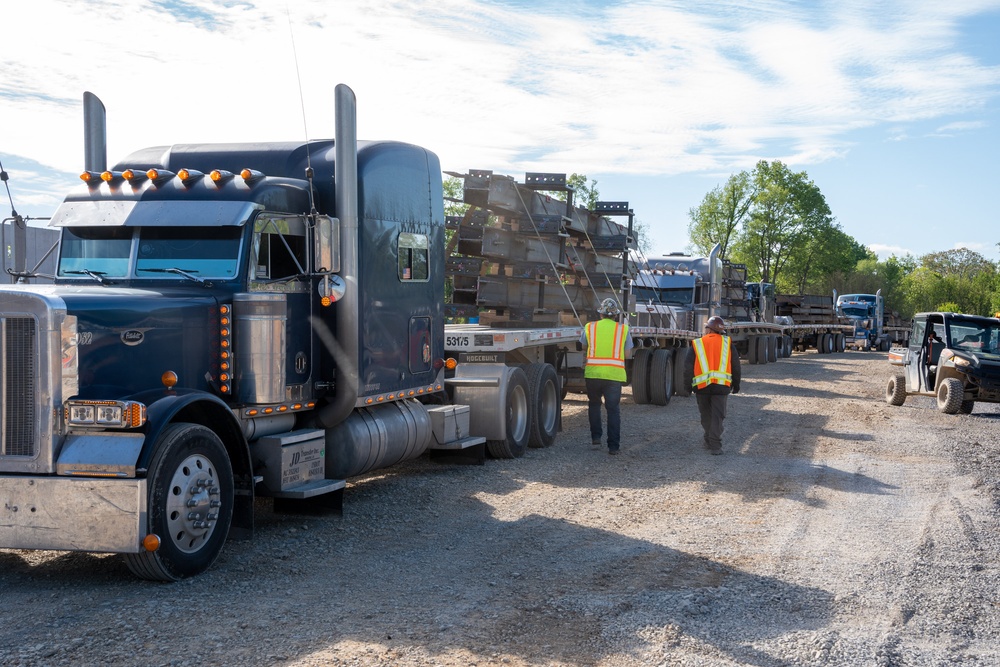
<point x="105" y="414"/>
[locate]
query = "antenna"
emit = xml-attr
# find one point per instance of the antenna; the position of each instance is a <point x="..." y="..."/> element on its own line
<point x="302" y="106"/>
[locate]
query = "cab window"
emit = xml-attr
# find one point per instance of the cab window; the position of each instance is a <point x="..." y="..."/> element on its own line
<point x="414" y="257"/>
<point x="279" y="254"/>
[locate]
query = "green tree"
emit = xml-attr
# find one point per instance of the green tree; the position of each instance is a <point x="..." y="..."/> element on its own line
<point x="721" y="214"/>
<point x="960" y="262"/>
<point x="788" y="210"/>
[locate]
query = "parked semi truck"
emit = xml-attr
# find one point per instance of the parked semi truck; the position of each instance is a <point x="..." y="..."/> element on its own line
<point x="227" y="321"/>
<point x="230" y="321"/>
<point x="762" y="325"/>
<point x="874" y="329"/>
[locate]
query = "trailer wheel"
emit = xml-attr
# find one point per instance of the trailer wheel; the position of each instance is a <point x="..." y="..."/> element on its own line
<point x="762" y="351"/>
<point x="949" y="396"/>
<point x="789" y="345"/>
<point x="752" y="350"/>
<point x="895" y="391"/>
<point x="641" y="361"/>
<point x="772" y="349"/>
<point x="682" y="376"/>
<point x="189" y="505"/>
<point x="661" y="378"/>
<point x="839" y="344"/>
<point x="518" y="418"/>
<point x="966" y="407"/>
<point x="543" y="392"/>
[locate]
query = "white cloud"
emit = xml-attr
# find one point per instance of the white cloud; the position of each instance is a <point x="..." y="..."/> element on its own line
<point x="651" y="87"/>
<point x="885" y="251"/>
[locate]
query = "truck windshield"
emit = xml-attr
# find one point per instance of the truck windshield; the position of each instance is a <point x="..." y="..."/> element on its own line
<point x="974" y="337"/>
<point x="855" y="311"/>
<point x="683" y="296"/>
<point x="150" y="252"/>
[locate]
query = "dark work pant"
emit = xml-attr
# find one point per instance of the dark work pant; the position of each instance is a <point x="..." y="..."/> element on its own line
<point x="713" y="411"/>
<point x="611" y="392"/>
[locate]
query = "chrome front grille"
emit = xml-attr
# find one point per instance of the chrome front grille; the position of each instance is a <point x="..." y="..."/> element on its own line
<point x="18" y="345"/>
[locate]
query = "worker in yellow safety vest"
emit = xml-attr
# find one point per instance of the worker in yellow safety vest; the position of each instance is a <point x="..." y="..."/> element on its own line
<point x="716" y="373"/>
<point x="605" y="341"/>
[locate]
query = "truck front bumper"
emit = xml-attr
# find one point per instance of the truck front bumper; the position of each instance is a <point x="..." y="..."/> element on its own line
<point x="72" y="513"/>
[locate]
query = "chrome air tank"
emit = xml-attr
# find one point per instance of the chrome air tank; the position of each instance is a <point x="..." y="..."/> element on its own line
<point x="377" y="437"/>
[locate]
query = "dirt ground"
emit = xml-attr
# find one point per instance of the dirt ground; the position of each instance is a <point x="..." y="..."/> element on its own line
<point x="835" y="530"/>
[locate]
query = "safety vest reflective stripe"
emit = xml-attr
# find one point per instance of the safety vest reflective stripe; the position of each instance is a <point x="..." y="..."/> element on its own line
<point x="704" y="373"/>
<point x="606" y="350"/>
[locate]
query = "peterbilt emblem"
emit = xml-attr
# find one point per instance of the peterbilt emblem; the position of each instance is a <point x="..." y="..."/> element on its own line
<point x="132" y="337"/>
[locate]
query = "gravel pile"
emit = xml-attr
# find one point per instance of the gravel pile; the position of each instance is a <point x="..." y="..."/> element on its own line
<point x="835" y="530"/>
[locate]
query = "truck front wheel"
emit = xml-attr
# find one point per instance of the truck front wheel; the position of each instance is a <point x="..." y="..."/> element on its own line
<point x="950" y="396"/>
<point x="189" y="506"/>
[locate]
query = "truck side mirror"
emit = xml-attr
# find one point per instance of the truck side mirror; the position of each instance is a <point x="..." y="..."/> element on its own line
<point x="326" y="245"/>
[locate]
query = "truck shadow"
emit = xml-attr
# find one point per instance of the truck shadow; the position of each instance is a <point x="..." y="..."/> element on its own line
<point x="505" y="594"/>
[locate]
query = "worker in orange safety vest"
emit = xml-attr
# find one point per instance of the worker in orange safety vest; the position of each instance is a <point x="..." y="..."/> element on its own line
<point x="716" y="373"/>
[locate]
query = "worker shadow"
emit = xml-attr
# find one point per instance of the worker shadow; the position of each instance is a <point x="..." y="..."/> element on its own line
<point x="783" y="388"/>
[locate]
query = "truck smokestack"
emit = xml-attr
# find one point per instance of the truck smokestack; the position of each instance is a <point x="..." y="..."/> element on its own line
<point x="95" y="134"/>
<point x="346" y="209"/>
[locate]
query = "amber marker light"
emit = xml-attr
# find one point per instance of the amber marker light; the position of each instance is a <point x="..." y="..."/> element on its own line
<point x="451" y="363"/>
<point x="169" y="379"/>
<point x="325" y="301"/>
<point x="151" y="542"/>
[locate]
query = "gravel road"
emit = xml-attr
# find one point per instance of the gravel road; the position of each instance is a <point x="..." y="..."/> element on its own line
<point x="835" y="530"/>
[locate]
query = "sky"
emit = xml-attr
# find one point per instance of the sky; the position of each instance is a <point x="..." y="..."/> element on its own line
<point x="892" y="108"/>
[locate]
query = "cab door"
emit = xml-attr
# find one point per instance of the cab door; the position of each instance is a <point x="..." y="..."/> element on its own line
<point x="280" y="263"/>
<point x="916" y="356"/>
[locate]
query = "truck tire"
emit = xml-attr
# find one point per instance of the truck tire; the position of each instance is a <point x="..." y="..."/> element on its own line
<point x="839" y="344"/>
<point x="752" y="350"/>
<point x="189" y="465"/>
<point x="640" y="375"/>
<point x="682" y="374"/>
<point x="544" y="404"/>
<point x="895" y="391"/>
<point x="821" y="343"/>
<point x="772" y="349"/>
<point x="966" y="407"/>
<point x="789" y="345"/>
<point x="949" y="396"/>
<point x="762" y="349"/>
<point x="518" y="418"/>
<point x="661" y="377"/>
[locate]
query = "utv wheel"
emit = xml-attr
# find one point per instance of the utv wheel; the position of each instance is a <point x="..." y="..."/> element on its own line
<point x="517" y="416"/>
<point x="895" y="391"/>
<point x="967" y="406"/>
<point x="949" y="396"/>
<point x="189" y="506"/>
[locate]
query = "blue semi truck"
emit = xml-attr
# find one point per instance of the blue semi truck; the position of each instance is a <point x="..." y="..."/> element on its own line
<point x="222" y="322"/>
<point x="228" y="321"/>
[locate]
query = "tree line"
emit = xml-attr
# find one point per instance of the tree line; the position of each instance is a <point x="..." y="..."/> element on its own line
<point x="777" y="223"/>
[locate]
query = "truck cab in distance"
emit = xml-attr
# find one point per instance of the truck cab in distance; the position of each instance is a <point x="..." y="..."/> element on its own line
<point x="951" y="356"/>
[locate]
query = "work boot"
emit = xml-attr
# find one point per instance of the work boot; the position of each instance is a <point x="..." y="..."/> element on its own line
<point x="595" y="443"/>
